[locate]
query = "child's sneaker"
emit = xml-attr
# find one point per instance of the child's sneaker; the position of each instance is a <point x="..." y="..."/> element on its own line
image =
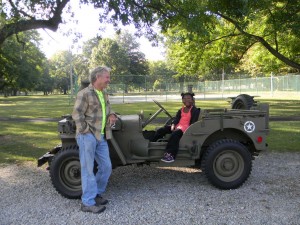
<point x="168" y="158"/>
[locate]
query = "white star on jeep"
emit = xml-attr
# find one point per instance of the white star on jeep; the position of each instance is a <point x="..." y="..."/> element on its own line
<point x="249" y="126"/>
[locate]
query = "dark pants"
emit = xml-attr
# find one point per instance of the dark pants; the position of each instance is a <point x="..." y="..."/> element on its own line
<point x="173" y="143"/>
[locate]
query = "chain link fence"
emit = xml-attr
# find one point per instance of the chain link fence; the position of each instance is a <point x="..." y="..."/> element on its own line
<point x="273" y="86"/>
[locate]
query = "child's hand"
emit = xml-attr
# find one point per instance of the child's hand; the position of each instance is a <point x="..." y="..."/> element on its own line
<point x="172" y="127"/>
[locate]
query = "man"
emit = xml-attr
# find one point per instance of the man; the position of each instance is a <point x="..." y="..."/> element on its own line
<point x="93" y="116"/>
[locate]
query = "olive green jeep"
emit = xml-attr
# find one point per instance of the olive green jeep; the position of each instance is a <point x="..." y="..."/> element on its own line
<point x="223" y="143"/>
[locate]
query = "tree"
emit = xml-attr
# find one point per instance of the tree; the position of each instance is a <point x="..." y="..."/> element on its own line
<point x="46" y="82"/>
<point x="60" y="69"/>
<point x="193" y="57"/>
<point x="138" y="65"/>
<point x="160" y="73"/>
<point x="88" y="46"/>
<point x="17" y="17"/>
<point x="9" y="55"/>
<point x="110" y="53"/>
<point x="19" y="70"/>
<point x="81" y="62"/>
<point x="122" y="54"/>
<point x="265" y="22"/>
<point x="277" y="18"/>
<point x="80" y="66"/>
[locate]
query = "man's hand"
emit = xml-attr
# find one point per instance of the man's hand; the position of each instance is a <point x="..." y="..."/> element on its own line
<point x="112" y="118"/>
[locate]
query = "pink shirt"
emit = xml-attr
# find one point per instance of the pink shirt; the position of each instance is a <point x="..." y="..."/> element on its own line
<point x="185" y="119"/>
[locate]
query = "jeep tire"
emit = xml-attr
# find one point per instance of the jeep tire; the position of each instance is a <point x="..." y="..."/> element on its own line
<point x="65" y="172"/>
<point x="227" y="164"/>
<point x="242" y="101"/>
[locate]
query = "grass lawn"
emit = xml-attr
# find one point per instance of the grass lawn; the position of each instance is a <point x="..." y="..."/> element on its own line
<point x="26" y="141"/>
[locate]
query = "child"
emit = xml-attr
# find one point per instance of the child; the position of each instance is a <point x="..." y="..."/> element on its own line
<point x="185" y="116"/>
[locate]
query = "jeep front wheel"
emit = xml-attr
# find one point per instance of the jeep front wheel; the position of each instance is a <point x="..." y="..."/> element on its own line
<point x="227" y="164"/>
<point x="65" y="172"/>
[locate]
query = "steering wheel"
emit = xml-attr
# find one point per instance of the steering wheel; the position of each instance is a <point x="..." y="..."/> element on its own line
<point x="165" y="111"/>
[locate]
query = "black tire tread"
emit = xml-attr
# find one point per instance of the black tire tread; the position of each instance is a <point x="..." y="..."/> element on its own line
<point x="205" y="166"/>
<point x="243" y="101"/>
<point x="54" y="174"/>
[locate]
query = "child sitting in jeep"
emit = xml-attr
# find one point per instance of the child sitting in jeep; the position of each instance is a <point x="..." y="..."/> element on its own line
<point x="185" y="116"/>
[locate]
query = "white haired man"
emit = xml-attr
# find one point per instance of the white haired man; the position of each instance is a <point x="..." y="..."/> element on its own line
<point x="93" y="116"/>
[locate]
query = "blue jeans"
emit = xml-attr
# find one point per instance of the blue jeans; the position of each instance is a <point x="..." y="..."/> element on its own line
<point x="90" y="150"/>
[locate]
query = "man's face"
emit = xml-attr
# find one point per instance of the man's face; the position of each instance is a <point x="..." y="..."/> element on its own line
<point x="187" y="100"/>
<point x="102" y="81"/>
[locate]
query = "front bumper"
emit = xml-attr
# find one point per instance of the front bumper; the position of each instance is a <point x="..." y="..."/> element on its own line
<point x="48" y="156"/>
<point x="45" y="158"/>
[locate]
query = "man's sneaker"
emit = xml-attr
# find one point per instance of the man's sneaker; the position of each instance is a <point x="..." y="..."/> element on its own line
<point x="168" y="158"/>
<point x="100" y="200"/>
<point x="93" y="208"/>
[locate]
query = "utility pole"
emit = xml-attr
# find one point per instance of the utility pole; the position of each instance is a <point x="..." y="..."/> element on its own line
<point x="223" y="75"/>
<point x="71" y="75"/>
<point x="272" y="84"/>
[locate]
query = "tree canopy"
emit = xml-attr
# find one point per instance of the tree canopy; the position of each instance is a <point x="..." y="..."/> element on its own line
<point x="266" y="21"/>
<point x="202" y="35"/>
<point x="19" y="71"/>
<point x="19" y="16"/>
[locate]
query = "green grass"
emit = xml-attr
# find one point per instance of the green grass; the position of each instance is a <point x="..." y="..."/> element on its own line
<point x="26" y="141"/>
<point x="51" y="106"/>
<point x="283" y="107"/>
<point x="284" y="136"/>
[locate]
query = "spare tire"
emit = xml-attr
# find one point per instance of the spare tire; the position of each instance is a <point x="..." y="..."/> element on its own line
<point x="242" y="101"/>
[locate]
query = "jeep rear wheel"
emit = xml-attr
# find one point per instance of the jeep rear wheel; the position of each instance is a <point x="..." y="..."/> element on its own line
<point x="65" y="172"/>
<point x="227" y="164"/>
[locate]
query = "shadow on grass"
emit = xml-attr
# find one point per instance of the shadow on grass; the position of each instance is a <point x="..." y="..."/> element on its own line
<point x="26" y="141"/>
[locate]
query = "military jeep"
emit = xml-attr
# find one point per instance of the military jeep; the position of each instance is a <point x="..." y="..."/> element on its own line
<point x="222" y="143"/>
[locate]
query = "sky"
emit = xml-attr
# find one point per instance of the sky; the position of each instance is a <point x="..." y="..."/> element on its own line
<point x="88" y="25"/>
